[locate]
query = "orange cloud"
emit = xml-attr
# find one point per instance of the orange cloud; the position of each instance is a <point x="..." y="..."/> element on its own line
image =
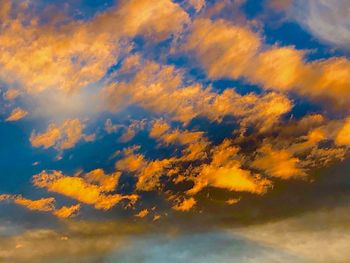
<point x="92" y="189"/>
<point x="17" y="114"/>
<point x="149" y="175"/>
<point x="46" y="139"/>
<point x="143" y="213"/>
<point x="61" y="137"/>
<point x="73" y="54"/>
<point x="131" y="163"/>
<point x="195" y="141"/>
<point x="222" y="48"/>
<point x="232" y="201"/>
<point x="42" y="205"/>
<point x="278" y="163"/>
<point x="160" y="88"/>
<point x="131" y="131"/>
<point x="159" y="127"/>
<point x="228" y="50"/>
<point x="106" y="182"/>
<point x="278" y="68"/>
<point x="225" y="172"/>
<point x="161" y="130"/>
<point x="148" y="172"/>
<point x="343" y="136"/>
<point x="154" y="19"/>
<point x="65" y="212"/>
<point x="185" y="205"/>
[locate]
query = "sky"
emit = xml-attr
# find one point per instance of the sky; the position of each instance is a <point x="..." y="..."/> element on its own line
<point x="174" y="131"/>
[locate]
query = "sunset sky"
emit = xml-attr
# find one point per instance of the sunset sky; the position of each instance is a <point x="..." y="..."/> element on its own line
<point x="152" y="131"/>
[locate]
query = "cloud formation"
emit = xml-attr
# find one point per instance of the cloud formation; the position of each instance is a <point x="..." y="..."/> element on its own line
<point x="73" y="54"/>
<point x="228" y="50"/>
<point x="17" y="114"/>
<point x="182" y="115"/>
<point x="43" y="205"/>
<point x="61" y="137"/>
<point x="92" y="188"/>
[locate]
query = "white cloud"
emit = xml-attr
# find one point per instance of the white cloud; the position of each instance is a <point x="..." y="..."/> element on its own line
<point x="328" y="20"/>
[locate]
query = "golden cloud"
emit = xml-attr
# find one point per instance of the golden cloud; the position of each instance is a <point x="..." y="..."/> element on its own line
<point x="61" y="137"/>
<point x="92" y="189"/>
<point x="185" y="205"/>
<point x="228" y="50"/>
<point x="222" y="48"/>
<point x="343" y="136"/>
<point x="43" y="205"/>
<point x="17" y="114"/>
<point x="278" y="163"/>
<point x="73" y="54"/>
<point x="225" y="171"/>
<point x="160" y="88"/>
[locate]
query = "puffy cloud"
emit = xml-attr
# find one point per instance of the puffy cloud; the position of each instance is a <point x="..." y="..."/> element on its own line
<point x="262" y="111"/>
<point x="311" y="140"/>
<point x="46" y="139"/>
<point x="299" y="146"/>
<point x="17" y="114"/>
<point x="72" y="130"/>
<point x="149" y="175"/>
<point x="148" y="172"/>
<point x="278" y="163"/>
<point x="106" y="182"/>
<point x="185" y="205"/>
<point x="68" y="54"/>
<point x="160" y="88"/>
<point x="296" y="149"/>
<point x="159" y="127"/>
<point x="131" y="162"/>
<point x="61" y="137"/>
<point x="195" y="141"/>
<point x="225" y="171"/>
<point x="92" y="189"/>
